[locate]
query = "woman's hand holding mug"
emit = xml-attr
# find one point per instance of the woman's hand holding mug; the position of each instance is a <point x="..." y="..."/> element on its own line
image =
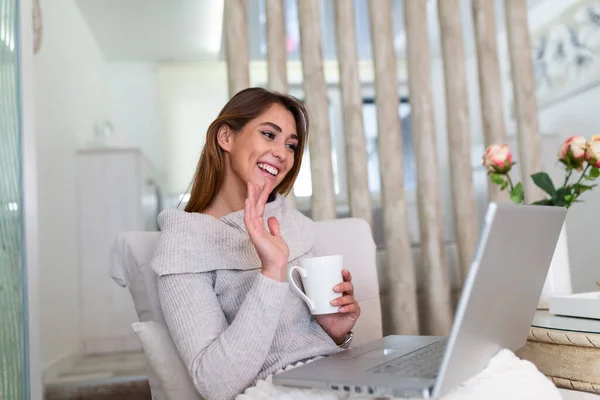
<point x="328" y="293"/>
<point x="339" y="324"/>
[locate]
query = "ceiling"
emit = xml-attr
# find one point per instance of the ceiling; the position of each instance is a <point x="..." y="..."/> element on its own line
<point x="151" y="30"/>
<point x="191" y="30"/>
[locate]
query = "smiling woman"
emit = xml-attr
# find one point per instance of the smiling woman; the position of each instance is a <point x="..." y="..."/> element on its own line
<point x="223" y="272"/>
<point x="258" y="135"/>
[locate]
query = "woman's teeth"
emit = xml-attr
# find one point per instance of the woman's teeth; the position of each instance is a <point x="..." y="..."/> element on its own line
<point x="266" y="167"/>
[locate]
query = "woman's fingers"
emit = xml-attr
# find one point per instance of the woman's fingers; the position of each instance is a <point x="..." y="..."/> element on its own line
<point x="346" y="275"/>
<point x="247" y="212"/>
<point x="263" y="197"/>
<point x="254" y="208"/>
<point x="344" y="287"/>
<point x="274" y="226"/>
<point x="342" y="301"/>
<point x="250" y="211"/>
<point x="352" y="308"/>
<point x="265" y="192"/>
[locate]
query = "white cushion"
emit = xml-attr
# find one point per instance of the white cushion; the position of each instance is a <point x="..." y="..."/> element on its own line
<point x="164" y="361"/>
<point x="506" y="377"/>
<point x="131" y="255"/>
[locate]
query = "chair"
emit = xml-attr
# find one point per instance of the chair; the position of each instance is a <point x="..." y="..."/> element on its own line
<point x="167" y="375"/>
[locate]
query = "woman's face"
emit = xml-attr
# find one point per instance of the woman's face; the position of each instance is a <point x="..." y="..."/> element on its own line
<point x="265" y="147"/>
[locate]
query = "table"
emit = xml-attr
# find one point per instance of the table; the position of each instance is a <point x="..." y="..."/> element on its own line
<point x="565" y="349"/>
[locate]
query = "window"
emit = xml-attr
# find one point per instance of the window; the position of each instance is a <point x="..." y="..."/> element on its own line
<point x="303" y="185"/>
<point x="371" y="133"/>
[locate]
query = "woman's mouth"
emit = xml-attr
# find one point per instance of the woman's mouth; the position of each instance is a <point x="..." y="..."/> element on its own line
<point x="268" y="170"/>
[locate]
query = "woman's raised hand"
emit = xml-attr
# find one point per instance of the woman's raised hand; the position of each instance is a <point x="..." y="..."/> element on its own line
<point x="270" y="246"/>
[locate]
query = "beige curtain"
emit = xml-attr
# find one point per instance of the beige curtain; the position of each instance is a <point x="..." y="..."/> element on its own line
<point x="236" y="45"/>
<point x="521" y="64"/>
<point x="458" y="131"/>
<point x="315" y="91"/>
<point x="277" y="55"/>
<point x="398" y="283"/>
<point x="490" y="90"/>
<point x="402" y="313"/>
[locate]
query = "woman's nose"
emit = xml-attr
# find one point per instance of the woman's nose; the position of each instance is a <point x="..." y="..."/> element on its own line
<point x="279" y="152"/>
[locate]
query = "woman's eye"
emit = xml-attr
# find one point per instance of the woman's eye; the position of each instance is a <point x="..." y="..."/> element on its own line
<point x="268" y="135"/>
<point x="292" y="146"/>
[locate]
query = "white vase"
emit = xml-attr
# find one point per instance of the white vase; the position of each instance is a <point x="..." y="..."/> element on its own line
<point x="558" y="280"/>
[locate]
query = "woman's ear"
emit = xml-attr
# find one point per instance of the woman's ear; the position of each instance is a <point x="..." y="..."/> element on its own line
<point x="225" y="137"/>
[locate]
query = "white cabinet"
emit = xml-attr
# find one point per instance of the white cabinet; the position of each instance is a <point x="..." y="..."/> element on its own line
<point x="119" y="191"/>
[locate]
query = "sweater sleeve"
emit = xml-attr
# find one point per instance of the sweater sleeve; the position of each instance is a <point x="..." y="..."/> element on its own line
<point x="223" y="359"/>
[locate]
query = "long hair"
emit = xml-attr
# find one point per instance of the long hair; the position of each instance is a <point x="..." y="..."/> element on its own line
<point x="243" y="107"/>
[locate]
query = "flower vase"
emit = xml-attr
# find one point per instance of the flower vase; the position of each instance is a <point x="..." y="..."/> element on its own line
<point x="558" y="280"/>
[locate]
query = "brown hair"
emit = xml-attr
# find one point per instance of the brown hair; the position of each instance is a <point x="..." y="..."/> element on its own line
<point x="243" y="107"/>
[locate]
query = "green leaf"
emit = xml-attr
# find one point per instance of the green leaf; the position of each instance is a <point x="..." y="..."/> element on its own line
<point x="504" y="185"/>
<point x="543" y="181"/>
<point x="559" y="200"/>
<point x="581" y="188"/>
<point x="498" y="179"/>
<point x="517" y="195"/>
<point x="568" y="198"/>
<point x="595" y="172"/>
<point x="544" y="202"/>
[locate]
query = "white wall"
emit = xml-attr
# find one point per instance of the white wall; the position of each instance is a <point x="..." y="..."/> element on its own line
<point x="191" y="96"/>
<point x="70" y="94"/>
<point x="133" y="105"/>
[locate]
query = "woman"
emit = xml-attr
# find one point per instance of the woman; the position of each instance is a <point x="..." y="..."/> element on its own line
<point x="222" y="274"/>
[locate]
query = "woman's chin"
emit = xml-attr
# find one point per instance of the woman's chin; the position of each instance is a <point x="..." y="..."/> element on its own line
<point x="261" y="180"/>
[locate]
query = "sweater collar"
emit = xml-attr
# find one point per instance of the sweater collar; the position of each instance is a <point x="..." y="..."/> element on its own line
<point x="195" y="242"/>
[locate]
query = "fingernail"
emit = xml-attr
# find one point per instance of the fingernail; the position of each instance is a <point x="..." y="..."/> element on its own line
<point x="336" y="287"/>
<point x="333" y="302"/>
<point x="341" y="309"/>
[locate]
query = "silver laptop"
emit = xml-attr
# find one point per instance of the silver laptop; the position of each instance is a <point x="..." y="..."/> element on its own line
<point x="497" y="305"/>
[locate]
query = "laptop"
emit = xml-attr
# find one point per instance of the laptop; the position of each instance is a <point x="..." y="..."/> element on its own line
<point x="497" y="305"/>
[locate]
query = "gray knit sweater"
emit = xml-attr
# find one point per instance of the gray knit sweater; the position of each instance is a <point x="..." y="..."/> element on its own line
<point x="231" y="324"/>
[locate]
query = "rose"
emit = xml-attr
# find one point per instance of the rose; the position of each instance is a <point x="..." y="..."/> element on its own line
<point x="572" y="152"/>
<point x="575" y="153"/>
<point x="592" y="154"/>
<point x="498" y="159"/>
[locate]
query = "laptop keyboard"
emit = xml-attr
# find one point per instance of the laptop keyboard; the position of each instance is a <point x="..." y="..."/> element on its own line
<point x="422" y="363"/>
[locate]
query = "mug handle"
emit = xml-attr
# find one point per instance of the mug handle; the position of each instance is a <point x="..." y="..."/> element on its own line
<point x="303" y="274"/>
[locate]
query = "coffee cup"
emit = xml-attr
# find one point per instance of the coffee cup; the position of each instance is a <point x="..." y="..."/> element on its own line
<point x="319" y="276"/>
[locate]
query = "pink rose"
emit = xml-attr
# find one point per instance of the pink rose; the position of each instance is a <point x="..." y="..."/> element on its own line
<point x="572" y="152"/>
<point x="592" y="154"/>
<point x="498" y="159"/>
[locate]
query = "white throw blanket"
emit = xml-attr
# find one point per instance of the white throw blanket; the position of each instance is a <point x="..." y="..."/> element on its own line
<point x="505" y="377"/>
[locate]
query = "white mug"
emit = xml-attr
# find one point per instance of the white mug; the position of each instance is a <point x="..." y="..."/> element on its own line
<point x="319" y="276"/>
